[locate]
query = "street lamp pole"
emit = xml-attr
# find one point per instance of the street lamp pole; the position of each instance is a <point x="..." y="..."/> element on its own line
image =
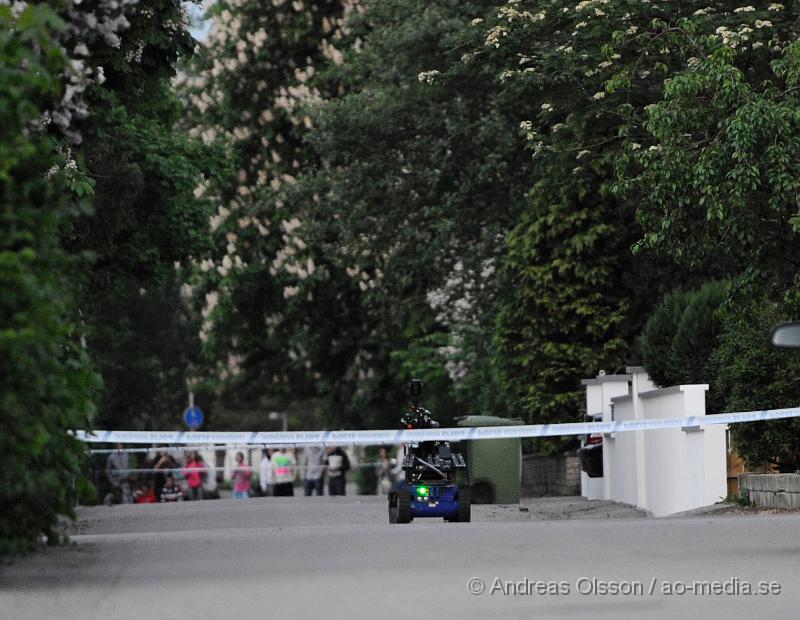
<point x="280" y="415"/>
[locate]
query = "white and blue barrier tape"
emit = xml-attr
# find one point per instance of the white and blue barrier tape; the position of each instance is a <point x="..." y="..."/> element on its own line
<point x="377" y="437"/>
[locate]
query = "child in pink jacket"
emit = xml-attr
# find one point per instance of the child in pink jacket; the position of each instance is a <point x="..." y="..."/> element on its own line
<point x="241" y="478"/>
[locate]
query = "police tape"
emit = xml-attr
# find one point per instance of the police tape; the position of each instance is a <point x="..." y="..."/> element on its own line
<point x="183" y="448"/>
<point x="183" y="471"/>
<point x="378" y="437"/>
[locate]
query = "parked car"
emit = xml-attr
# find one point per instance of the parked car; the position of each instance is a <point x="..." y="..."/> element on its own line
<point x="591" y="452"/>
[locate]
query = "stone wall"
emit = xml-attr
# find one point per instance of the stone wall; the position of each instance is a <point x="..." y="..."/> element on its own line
<point x="550" y="475"/>
<point x="771" y="490"/>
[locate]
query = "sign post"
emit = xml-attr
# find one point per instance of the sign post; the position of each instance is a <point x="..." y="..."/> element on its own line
<point x="193" y="416"/>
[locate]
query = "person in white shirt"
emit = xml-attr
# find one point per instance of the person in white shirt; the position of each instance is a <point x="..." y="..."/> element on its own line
<point x="284" y="467"/>
<point x="265" y="474"/>
<point x="210" y="475"/>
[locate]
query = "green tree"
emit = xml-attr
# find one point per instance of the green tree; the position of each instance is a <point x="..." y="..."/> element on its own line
<point x="46" y="382"/>
<point x="145" y="224"/>
<point x="574" y="298"/>
<point x="425" y="175"/>
<point x="565" y="306"/>
<point x="720" y="181"/>
<point x="361" y="190"/>
<point x="591" y="77"/>
<point x="282" y="322"/>
<point x="716" y="174"/>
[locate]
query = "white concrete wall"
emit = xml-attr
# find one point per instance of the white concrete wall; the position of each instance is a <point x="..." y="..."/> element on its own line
<point x="663" y="471"/>
<point x="686" y="467"/>
<point x="599" y="392"/>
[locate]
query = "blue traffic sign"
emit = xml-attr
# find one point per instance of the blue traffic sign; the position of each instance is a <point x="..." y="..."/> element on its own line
<point x="193" y="417"/>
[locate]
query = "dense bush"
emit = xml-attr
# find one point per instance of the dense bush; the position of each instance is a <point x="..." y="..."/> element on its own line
<point x="655" y="342"/>
<point x="697" y="333"/>
<point x="752" y="375"/>
<point x="702" y="336"/>
<point x="680" y="337"/>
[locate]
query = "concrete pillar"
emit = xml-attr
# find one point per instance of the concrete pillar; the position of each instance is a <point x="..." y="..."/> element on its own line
<point x="640" y="383"/>
<point x="599" y="392"/>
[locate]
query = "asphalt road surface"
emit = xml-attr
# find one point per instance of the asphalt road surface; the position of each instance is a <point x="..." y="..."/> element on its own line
<point x="333" y="558"/>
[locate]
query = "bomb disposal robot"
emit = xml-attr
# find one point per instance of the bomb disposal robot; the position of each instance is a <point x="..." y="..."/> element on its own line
<point x="432" y="473"/>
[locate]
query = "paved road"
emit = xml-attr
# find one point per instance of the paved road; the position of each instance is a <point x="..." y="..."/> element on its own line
<point x="338" y="558"/>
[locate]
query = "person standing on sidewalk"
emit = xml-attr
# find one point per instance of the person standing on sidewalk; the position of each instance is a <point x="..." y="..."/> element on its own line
<point x="265" y="478"/>
<point x="209" y="477"/>
<point x="338" y="466"/>
<point x="165" y="465"/>
<point x="314" y="465"/>
<point x="385" y="471"/>
<point x="193" y="472"/>
<point x="117" y="473"/>
<point x="283" y="472"/>
<point x="241" y="478"/>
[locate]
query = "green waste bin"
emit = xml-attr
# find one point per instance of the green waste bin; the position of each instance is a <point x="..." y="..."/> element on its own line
<point x="494" y="465"/>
